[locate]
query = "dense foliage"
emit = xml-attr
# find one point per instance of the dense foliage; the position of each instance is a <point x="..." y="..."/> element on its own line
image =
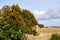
<point x="55" y="37"/>
<point x="16" y="22"/>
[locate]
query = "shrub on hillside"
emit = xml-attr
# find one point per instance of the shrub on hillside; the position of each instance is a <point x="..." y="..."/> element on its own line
<point x="15" y="23"/>
<point x="55" y="37"/>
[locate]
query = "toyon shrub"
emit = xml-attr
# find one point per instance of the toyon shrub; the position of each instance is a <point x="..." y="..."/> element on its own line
<point x="16" y="22"/>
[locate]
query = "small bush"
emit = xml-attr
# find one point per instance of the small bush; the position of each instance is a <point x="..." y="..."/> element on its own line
<point x="55" y="37"/>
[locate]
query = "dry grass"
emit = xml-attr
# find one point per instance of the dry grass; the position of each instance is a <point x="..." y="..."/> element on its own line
<point x="48" y="30"/>
<point x="44" y="33"/>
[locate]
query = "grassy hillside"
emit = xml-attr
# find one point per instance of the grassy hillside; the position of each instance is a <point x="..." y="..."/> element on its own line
<point x="44" y="33"/>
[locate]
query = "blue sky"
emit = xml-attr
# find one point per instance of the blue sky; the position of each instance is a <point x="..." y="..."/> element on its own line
<point x="46" y="12"/>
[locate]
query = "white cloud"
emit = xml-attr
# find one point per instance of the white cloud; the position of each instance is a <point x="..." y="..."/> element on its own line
<point x="49" y="17"/>
<point x="52" y="22"/>
<point x="46" y="15"/>
<point x="40" y="14"/>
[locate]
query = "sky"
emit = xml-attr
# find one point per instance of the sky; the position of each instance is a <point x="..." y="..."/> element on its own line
<point x="47" y="12"/>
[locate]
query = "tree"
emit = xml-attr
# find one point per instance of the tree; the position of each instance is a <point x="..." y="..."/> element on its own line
<point x="16" y="22"/>
<point x="41" y="25"/>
